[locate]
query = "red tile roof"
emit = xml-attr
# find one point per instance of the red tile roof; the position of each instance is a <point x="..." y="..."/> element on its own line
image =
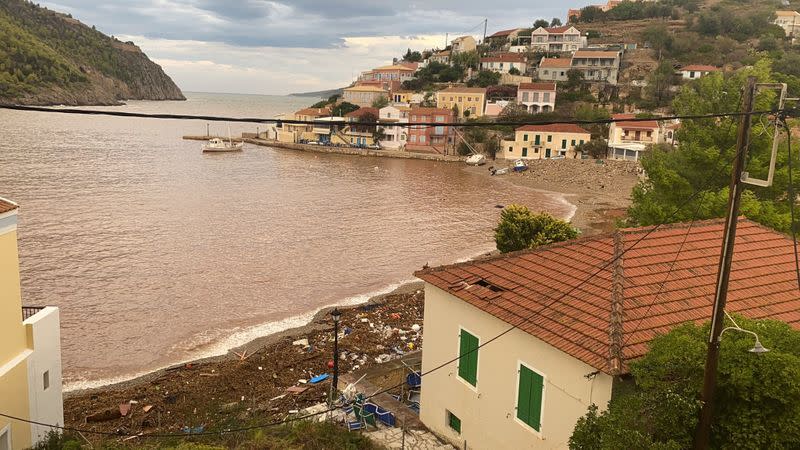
<point x="558" y="30"/>
<point x="503" y="33"/>
<point x="601" y="54"/>
<point x="314" y="112"/>
<point x="360" y="112"/>
<point x="700" y="68"/>
<point x="546" y="86"/>
<point x="505" y="57"/>
<point x="555" y="63"/>
<point x="541" y="290"/>
<point x="7" y="205"/>
<point x="644" y="124"/>
<point x="554" y="128"/>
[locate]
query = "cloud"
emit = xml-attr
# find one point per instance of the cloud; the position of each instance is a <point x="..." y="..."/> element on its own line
<point x="274" y="38"/>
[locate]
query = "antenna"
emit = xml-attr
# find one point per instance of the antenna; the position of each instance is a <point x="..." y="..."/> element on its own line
<point x="771" y="175"/>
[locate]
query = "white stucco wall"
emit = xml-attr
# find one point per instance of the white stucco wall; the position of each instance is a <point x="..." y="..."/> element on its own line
<point x="487" y="412"/>
<point x="44" y="337"/>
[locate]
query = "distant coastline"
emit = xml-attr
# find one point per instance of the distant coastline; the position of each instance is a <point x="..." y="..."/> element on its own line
<point x="319" y="94"/>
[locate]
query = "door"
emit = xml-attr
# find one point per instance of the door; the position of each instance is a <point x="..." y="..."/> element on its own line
<point x="524" y="152"/>
<point x="547" y="153"/>
<point x="638" y="135"/>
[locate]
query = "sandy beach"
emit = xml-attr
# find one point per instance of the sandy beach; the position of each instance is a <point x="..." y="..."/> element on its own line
<point x="249" y="384"/>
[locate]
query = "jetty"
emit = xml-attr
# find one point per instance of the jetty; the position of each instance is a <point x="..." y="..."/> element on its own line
<point x="355" y="151"/>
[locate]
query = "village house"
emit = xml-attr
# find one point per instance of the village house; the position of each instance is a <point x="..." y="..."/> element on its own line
<point x="406" y="97"/>
<point x="694" y="71"/>
<point x="395" y="72"/>
<point x="430" y="139"/>
<point x="396" y="136"/>
<point x="557" y="39"/>
<point x="469" y="101"/>
<point x="597" y="65"/>
<point x="629" y="139"/>
<point x="503" y="36"/>
<point x="364" y="95"/>
<point x="554" y="69"/>
<point x="537" y="97"/>
<point x="562" y="348"/>
<point x="442" y="57"/>
<point x="30" y="351"/>
<point x="504" y="62"/>
<point x="463" y="44"/>
<point x="789" y="21"/>
<point x="574" y="14"/>
<point x="292" y="133"/>
<point x="359" y="135"/>
<point x="544" y="141"/>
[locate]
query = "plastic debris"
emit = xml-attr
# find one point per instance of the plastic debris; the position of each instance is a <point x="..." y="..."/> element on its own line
<point x="319" y="378"/>
<point x="415" y="328"/>
<point x="301" y="342"/>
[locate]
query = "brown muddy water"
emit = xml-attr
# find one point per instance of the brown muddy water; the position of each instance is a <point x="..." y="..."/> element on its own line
<point x="156" y="253"/>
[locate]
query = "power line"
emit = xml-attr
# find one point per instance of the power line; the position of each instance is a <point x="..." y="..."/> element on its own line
<point x="379" y="123"/>
<point x="792" y="199"/>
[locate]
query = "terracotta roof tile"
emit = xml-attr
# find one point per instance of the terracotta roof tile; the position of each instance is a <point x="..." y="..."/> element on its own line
<point x="700" y="68"/>
<point x="545" y="292"/>
<point x="314" y="112"/>
<point x="545" y="86"/>
<point x="7" y="205"/>
<point x="554" y="128"/>
<point x="556" y="63"/>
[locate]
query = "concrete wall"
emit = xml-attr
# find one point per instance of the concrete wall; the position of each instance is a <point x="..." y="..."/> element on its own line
<point x="515" y="149"/>
<point x="14" y="350"/>
<point x="46" y="403"/>
<point x="487" y="411"/>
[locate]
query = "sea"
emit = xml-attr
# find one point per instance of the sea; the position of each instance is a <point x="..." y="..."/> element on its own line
<point x="156" y="253"/>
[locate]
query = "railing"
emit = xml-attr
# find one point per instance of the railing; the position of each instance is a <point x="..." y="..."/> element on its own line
<point x="29" y="311"/>
<point x="639" y="139"/>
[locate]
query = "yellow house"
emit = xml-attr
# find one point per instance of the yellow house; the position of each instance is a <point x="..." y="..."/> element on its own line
<point x="30" y="350"/>
<point x="465" y="99"/>
<point x="544" y="141"/>
<point x="364" y="95"/>
<point x="297" y="132"/>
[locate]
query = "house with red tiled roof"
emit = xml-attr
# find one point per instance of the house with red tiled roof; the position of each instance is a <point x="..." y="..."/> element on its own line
<point x="504" y="62"/>
<point x="468" y="101"/>
<point x="301" y="132"/>
<point x="557" y="39"/>
<point x="628" y="139"/>
<point x="554" y="69"/>
<point x="430" y="139"/>
<point x="573" y="315"/>
<point x="537" y="97"/>
<point x="544" y="142"/>
<point x="695" y="71"/>
<point x="503" y="36"/>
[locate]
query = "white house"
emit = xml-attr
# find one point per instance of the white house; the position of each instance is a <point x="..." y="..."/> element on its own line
<point x="694" y="71"/>
<point x="557" y="39"/>
<point x="598" y="65"/>
<point x="504" y="62"/>
<point x="554" y="69"/>
<point x="789" y="21"/>
<point x="537" y="97"/>
<point x="628" y="139"/>
<point x="396" y="136"/>
<point x="531" y="352"/>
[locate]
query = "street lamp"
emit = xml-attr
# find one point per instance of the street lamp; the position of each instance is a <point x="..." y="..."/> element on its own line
<point x="757" y="347"/>
<point x="336" y="315"/>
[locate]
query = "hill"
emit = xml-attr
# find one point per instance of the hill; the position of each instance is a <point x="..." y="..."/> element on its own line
<point x="319" y="94"/>
<point x="50" y="58"/>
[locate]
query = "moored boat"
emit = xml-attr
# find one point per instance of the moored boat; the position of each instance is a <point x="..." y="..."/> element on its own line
<point x="476" y="160"/>
<point x="520" y="165"/>
<point x="217" y="145"/>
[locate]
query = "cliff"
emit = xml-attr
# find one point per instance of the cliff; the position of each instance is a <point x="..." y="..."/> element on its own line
<point x="50" y="58"/>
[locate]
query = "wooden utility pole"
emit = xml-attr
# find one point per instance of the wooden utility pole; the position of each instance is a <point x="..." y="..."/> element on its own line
<point x="485" y="23"/>
<point x="703" y="433"/>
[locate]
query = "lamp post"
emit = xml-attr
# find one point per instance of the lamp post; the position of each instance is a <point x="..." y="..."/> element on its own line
<point x="757" y="347"/>
<point x="336" y="315"/>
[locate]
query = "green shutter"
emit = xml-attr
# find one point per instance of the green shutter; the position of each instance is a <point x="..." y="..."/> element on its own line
<point x="563" y="143"/>
<point x="529" y="397"/>
<point x="454" y="422"/>
<point x="538" y="141"/>
<point x="468" y="360"/>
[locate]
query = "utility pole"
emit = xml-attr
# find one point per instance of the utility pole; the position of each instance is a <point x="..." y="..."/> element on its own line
<point x="485" y="23"/>
<point x="702" y="435"/>
<point x="446" y="39"/>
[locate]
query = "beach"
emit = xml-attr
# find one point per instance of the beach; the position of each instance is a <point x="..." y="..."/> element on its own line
<point x="249" y="384"/>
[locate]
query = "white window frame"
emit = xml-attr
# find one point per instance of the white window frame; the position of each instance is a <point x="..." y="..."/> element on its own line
<point x="458" y="361"/>
<point x="540" y="433"/>
<point x="5" y="433"/>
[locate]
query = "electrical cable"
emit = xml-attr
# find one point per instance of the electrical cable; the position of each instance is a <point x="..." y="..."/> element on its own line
<point x="792" y="199"/>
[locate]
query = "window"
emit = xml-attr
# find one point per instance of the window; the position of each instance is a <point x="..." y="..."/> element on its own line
<point x="572" y="143"/>
<point x="536" y="96"/>
<point x="546" y="97"/>
<point x="563" y="143"/>
<point x="45" y="380"/>
<point x="525" y="96"/>
<point x="468" y="352"/>
<point x="440" y="118"/>
<point x="460" y="99"/>
<point x="510" y="148"/>
<point x="413" y="138"/>
<point x="529" y="397"/>
<point x="422" y="139"/>
<point x="581" y="142"/>
<point x="524" y="137"/>
<point x="538" y="140"/>
<point x="549" y="138"/>
<point x="453" y="422"/>
<point x="524" y="151"/>
<point x="546" y="72"/>
<point x="439" y="130"/>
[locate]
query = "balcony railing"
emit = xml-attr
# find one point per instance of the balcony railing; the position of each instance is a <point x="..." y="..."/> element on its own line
<point x="639" y="139"/>
<point x="30" y="311"/>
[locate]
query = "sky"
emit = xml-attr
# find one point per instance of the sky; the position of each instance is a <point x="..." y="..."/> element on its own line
<point x="284" y="46"/>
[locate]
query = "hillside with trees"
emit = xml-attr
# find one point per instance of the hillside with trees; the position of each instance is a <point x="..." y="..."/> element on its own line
<point x="50" y="58"/>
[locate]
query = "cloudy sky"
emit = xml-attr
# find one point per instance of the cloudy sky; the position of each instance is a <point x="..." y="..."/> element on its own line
<point x="283" y="46"/>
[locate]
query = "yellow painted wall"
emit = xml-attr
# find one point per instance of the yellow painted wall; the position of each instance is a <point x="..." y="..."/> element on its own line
<point x="552" y="141"/>
<point x="464" y="101"/>
<point x="13" y="344"/>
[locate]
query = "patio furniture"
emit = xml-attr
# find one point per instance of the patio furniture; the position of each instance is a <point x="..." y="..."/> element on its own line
<point x="384" y="416"/>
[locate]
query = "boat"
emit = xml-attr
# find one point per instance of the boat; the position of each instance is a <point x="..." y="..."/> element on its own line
<point x="502" y="171"/>
<point x="476" y="160"/>
<point x="217" y="145"/>
<point x="520" y="166"/>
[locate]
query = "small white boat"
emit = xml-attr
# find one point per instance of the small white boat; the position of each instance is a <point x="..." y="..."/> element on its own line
<point x="476" y="160"/>
<point x="520" y="165"/>
<point x="219" y="145"/>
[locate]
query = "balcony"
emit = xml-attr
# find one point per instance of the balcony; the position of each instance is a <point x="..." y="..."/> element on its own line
<point x="636" y="139"/>
<point x="30" y="311"/>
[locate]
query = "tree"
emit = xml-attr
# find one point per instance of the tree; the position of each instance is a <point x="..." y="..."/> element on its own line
<point x="485" y="78"/>
<point x="378" y="135"/>
<point x="659" y="84"/>
<point x="574" y="79"/>
<point x="320" y="104"/>
<point x="513" y="71"/>
<point x="592" y="14"/>
<point x="466" y="60"/>
<point x="541" y="23"/>
<point x="658" y="37"/>
<point x="521" y="229"/>
<point x="414" y="56"/>
<point x="344" y="108"/>
<point x="380" y="102"/>
<point x="595" y="148"/>
<point x="701" y="162"/>
<point x="755" y="403"/>
<point x="556" y="22"/>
